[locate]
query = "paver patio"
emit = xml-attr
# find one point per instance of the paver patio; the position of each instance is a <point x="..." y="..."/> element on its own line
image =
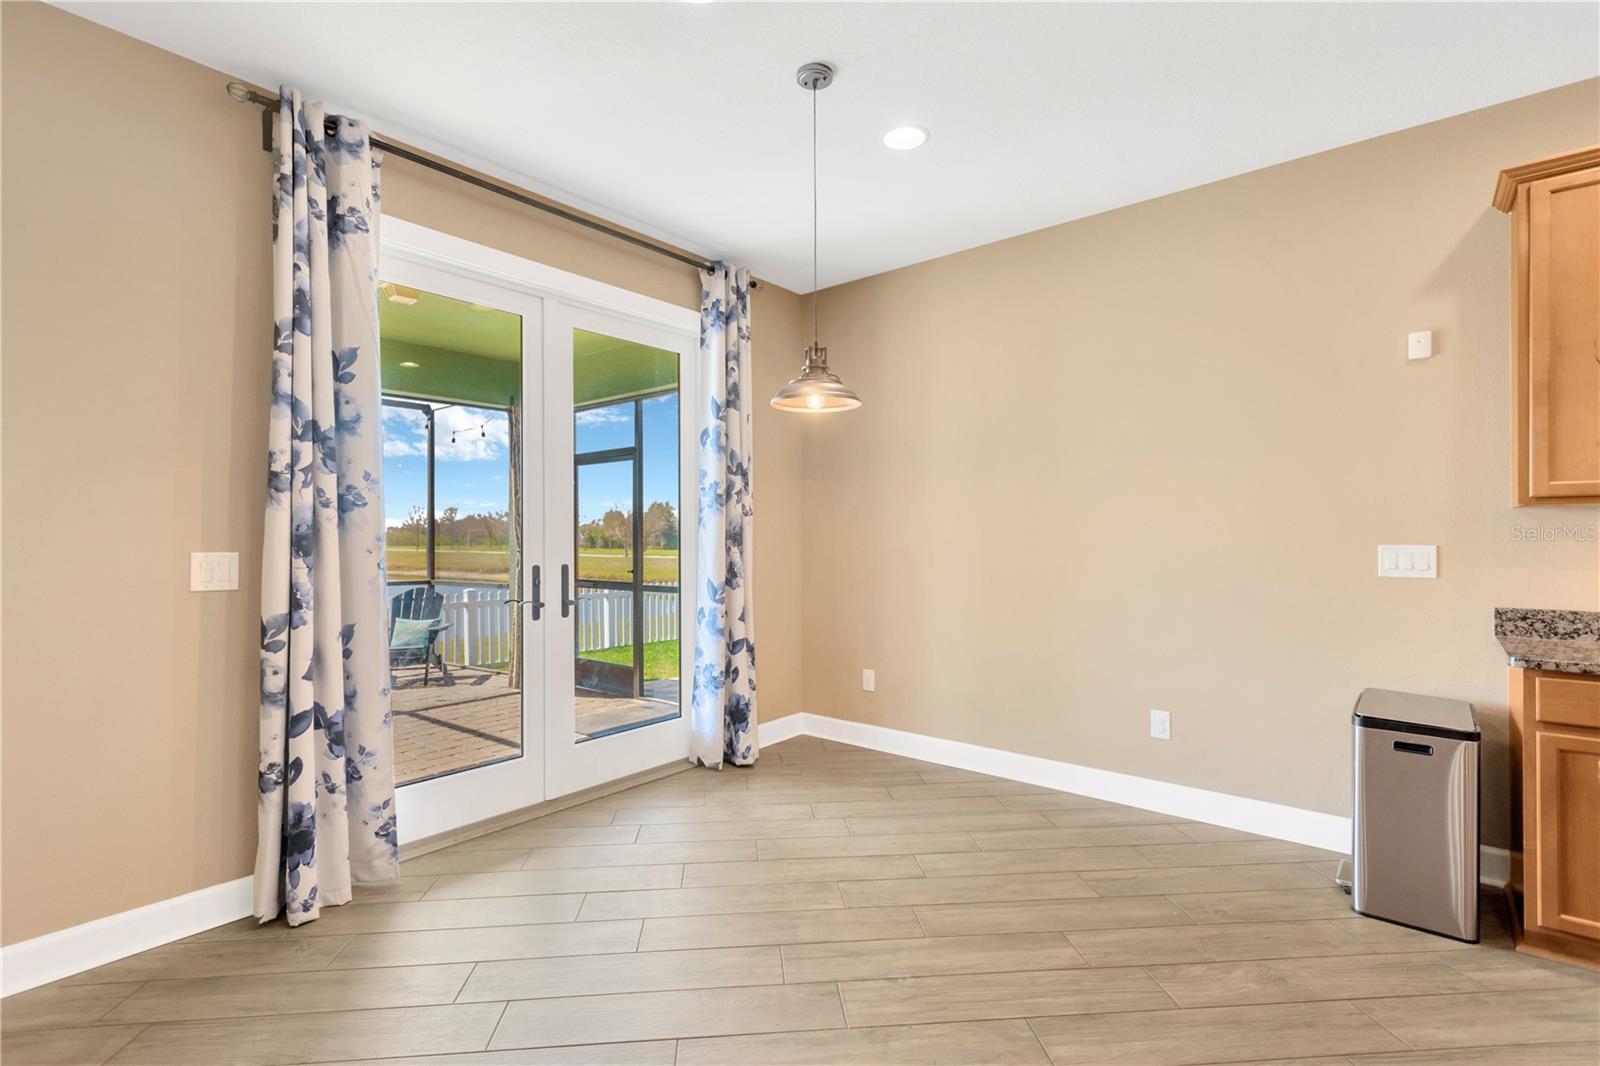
<point x="474" y="717"/>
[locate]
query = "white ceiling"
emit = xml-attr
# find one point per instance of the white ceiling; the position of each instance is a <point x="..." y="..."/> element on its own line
<point x="684" y="119"/>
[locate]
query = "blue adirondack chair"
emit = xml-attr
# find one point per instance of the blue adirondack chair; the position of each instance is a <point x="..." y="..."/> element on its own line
<point x="416" y="621"/>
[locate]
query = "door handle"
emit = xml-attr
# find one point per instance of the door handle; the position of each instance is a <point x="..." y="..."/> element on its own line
<point x="534" y="600"/>
<point x="567" y="602"/>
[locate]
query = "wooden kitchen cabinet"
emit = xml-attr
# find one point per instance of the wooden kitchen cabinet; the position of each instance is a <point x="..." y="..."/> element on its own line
<point x="1554" y="205"/>
<point x="1555" y="743"/>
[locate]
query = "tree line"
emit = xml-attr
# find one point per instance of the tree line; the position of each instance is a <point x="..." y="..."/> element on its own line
<point x="482" y="530"/>
<point x="486" y="530"/>
<point x="614" y="529"/>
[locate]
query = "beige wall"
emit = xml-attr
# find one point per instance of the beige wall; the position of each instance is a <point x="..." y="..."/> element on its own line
<point x="136" y="326"/>
<point x="1140" y="460"/>
<point x="1144" y="460"/>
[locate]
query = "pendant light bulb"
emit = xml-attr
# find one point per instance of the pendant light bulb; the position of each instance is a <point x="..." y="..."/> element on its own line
<point x="817" y="389"/>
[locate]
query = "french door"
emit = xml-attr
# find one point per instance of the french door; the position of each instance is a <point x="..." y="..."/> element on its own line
<point x="619" y="466"/>
<point x="538" y="461"/>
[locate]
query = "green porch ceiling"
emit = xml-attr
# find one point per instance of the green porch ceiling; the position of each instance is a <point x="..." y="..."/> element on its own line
<point x="605" y="368"/>
<point x="468" y="353"/>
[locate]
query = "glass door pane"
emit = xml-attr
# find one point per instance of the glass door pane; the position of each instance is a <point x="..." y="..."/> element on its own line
<point x="623" y="678"/>
<point x="458" y="550"/>
<point x="627" y="646"/>
<point x="606" y="647"/>
<point x="660" y="534"/>
<point x="452" y="373"/>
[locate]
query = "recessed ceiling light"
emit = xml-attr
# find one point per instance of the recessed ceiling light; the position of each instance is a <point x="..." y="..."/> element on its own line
<point x="409" y="365"/>
<point x="905" y="138"/>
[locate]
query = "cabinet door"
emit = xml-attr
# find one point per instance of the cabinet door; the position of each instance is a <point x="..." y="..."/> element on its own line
<point x="1564" y="335"/>
<point x="1566" y="820"/>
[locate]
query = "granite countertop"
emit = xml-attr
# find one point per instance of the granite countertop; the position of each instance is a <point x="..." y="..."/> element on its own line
<point x="1567" y="642"/>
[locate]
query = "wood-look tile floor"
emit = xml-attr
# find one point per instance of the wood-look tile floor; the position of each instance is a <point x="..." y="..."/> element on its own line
<point x="829" y="906"/>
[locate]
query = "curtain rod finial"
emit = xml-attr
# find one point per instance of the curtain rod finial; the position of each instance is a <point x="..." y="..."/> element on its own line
<point x="239" y="91"/>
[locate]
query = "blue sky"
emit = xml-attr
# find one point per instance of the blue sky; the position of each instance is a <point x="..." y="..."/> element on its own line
<point x="607" y="485"/>
<point x="473" y="472"/>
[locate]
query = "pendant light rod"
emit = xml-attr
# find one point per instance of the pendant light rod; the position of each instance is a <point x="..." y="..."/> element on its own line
<point x="817" y="389"/>
<point x="814" y="77"/>
<point x="816" y="329"/>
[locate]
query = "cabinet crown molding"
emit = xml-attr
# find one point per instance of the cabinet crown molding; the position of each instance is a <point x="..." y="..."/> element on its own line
<point x="1505" y="187"/>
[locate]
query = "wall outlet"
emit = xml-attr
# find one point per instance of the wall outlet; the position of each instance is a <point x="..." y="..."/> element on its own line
<point x="1160" y="725"/>
<point x="213" y="571"/>
<point x="869" y="681"/>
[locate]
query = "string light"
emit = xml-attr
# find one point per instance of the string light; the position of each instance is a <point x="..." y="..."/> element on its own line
<point x="483" y="431"/>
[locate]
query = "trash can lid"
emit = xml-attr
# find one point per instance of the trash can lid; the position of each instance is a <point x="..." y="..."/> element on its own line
<point x="1408" y="712"/>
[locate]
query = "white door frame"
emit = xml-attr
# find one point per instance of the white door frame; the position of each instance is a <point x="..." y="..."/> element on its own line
<point x="570" y="766"/>
<point x="452" y="800"/>
<point x="439" y="262"/>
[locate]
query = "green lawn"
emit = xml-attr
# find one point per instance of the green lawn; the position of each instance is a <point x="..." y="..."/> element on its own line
<point x="660" y="658"/>
<point x="611" y="564"/>
<point x="410" y="563"/>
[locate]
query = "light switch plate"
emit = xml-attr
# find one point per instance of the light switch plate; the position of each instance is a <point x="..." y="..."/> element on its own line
<point x="213" y="571"/>
<point x="1419" y="345"/>
<point x="1408" y="560"/>
<point x="869" y="681"/>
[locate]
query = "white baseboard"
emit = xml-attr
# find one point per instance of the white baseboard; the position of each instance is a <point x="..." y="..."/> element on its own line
<point x="1330" y="832"/>
<point x="30" y="963"/>
<point x="790" y="725"/>
<point x="53" y="956"/>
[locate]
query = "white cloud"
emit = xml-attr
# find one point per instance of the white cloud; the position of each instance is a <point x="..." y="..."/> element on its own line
<point x="393" y="447"/>
<point x="597" y="416"/>
<point x="404" y="432"/>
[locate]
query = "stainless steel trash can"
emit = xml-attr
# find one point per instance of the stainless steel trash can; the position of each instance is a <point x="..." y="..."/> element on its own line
<point x="1415" y="819"/>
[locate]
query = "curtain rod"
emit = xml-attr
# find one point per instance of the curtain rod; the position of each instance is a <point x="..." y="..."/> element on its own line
<point x="244" y="94"/>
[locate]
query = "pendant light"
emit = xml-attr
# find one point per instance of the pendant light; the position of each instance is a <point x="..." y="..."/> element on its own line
<point x="817" y="390"/>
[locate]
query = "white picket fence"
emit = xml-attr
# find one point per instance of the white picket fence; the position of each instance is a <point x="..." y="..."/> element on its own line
<point x="480" y="627"/>
<point x="480" y="631"/>
<point x="605" y="618"/>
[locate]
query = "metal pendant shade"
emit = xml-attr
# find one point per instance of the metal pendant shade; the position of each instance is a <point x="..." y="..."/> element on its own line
<point x="817" y="390"/>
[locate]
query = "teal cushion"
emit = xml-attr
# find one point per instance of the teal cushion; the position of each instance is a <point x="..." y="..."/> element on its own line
<point x="411" y="634"/>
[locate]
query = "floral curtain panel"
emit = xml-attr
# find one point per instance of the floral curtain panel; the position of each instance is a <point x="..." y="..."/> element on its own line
<point x="326" y="761"/>
<point x="723" y="701"/>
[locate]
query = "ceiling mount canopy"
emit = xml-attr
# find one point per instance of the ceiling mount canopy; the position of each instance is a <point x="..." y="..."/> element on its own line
<point x="813" y="76"/>
<point x="817" y="390"/>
